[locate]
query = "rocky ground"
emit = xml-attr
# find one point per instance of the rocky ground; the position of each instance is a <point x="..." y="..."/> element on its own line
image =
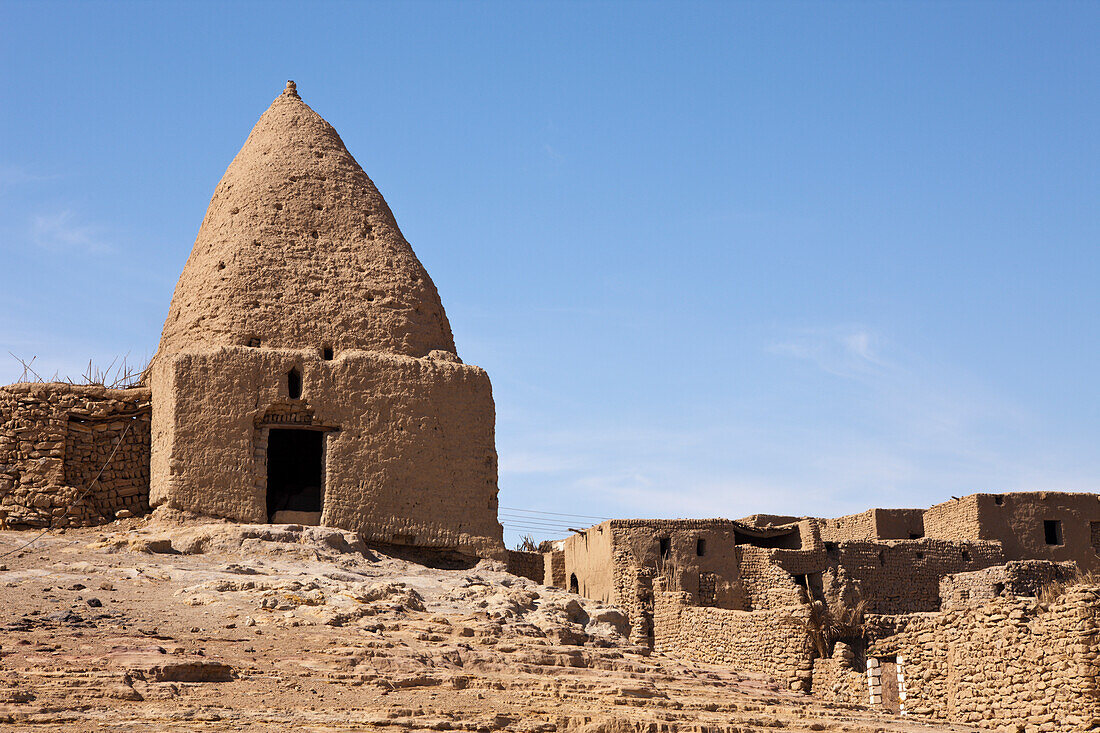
<point x="153" y="625"/>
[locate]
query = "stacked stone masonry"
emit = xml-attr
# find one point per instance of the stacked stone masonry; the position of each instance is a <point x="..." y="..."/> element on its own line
<point x="1008" y="662"/>
<point x="769" y="642"/>
<point x="72" y="455"/>
<point x="1013" y="579"/>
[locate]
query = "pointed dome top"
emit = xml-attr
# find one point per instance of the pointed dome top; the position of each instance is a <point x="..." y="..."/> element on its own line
<point x="299" y="250"/>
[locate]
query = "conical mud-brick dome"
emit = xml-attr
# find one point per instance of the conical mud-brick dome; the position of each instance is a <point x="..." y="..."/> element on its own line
<point x="299" y="250"/>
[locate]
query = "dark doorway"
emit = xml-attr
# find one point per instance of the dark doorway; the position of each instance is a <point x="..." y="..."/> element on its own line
<point x="295" y="472"/>
<point x="574" y="586"/>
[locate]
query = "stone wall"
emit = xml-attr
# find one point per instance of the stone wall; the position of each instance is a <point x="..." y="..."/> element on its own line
<point x="525" y="564"/>
<point x="1012" y="662"/>
<point x="1015" y="578"/>
<point x="902" y="576"/>
<point x="838" y="680"/>
<point x="773" y="642"/>
<point x="55" y="438"/>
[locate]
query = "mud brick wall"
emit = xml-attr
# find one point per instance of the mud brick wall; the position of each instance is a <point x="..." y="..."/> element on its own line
<point x="634" y="594"/>
<point x="1009" y="662"/>
<point x="769" y="642"/>
<point x="957" y="519"/>
<point x="1015" y="578"/>
<point x="767" y="585"/>
<point x="554" y="569"/>
<point x="874" y="524"/>
<point x="526" y="564"/>
<point x="409" y="449"/>
<point x="903" y="576"/>
<point x="852" y="527"/>
<point x="55" y="438"/>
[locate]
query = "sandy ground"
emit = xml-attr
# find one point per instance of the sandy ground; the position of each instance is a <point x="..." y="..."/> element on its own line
<point x="148" y="625"/>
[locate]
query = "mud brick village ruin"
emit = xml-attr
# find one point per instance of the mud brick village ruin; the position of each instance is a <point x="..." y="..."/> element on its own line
<point x="307" y="378"/>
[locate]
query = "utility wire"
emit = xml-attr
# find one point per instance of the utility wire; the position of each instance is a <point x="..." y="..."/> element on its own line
<point x="534" y="519"/>
<point x="534" y="524"/>
<point x="556" y="514"/>
<point x="537" y="530"/>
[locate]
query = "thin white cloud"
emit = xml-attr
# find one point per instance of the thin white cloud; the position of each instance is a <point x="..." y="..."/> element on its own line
<point x="12" y="176"/>
<point x="843" y="351"/>
<point x="63" y="231"/>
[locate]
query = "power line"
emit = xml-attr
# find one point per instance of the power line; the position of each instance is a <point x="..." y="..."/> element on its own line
<point x="556" y="514"/>
<point x="538" y="530"/>
<point x="543" y="527"/>
<point x="528" y="520"/>
<point x="540" y="520"/>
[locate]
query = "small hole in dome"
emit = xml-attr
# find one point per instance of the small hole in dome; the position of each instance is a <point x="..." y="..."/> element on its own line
<point x="234" y="210"/>
<point x="327" y="353"/>
<point x="370" y="297"/>
<point x="256" y="242"/>
<point x="253" y="342"/>
<point x="278" y="207"/>
<point x="319" y="207"/>
<point x="319" y="154"/>
<point x="221" y="265"/>
<point x="313" y="234"/>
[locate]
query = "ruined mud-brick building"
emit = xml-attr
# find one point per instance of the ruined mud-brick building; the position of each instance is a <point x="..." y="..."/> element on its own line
<point x="931" y="612"/>
<point x="306" y="373"/>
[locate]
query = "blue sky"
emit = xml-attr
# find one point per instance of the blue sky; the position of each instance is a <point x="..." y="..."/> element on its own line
<point x="717" y="258"/>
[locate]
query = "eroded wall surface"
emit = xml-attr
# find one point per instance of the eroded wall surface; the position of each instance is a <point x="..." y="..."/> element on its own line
<point x="902" y="576"/>
<point x="54" y="440"/>
<point x="409" y="443"/>
<point x="1015" y="578"/>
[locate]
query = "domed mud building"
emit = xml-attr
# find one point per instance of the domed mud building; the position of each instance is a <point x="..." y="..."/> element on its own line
<point x="306" y="371"/>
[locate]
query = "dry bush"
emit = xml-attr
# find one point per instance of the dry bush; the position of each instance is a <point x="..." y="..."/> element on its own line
<point x="118" y="374"/>
<point x="29" y="374"/>
<point x="1055" y="589"/>
<point x="527" y="544"/>
<point x="667" y="573"/>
